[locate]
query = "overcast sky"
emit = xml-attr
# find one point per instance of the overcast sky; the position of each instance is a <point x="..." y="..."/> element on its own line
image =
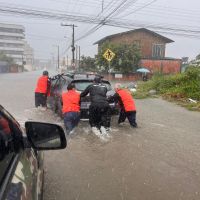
<point x="43" y="34"/>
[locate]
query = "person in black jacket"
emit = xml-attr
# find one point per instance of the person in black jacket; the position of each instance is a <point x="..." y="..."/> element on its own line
<point x="99" y="110"/>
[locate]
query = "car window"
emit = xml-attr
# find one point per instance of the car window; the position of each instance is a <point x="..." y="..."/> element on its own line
<point x="81" y="85"/>
<point x="80" y="76"/>
<point x="5" y="131"/>
<point x="54" y="83"/>
<point x="63" y="82"/>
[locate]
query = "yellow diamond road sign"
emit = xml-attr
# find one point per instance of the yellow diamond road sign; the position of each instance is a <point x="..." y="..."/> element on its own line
<point x="108" y="55"/>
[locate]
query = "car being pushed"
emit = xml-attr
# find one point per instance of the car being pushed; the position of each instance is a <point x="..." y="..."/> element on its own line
<point x="81" y="81"/>
<point x="21" y="159"/>
<point x="58" y="84"/>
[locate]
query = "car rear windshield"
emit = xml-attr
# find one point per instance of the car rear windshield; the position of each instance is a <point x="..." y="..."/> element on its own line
<point x="81" y="85"/>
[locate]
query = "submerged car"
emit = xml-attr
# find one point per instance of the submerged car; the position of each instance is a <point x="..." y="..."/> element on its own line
<point x="21" y="159"/>
<point x="81" y="81"/>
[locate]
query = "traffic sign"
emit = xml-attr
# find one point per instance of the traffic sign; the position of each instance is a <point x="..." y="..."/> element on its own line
<point x="109" y="55"/>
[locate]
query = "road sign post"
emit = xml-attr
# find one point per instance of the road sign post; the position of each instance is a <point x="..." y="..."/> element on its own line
<point x="109" y="70"/>
<point x="109" y="55"/>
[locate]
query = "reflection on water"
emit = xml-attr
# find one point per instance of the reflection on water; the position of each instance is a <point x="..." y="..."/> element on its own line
<point x="84" y="129"/>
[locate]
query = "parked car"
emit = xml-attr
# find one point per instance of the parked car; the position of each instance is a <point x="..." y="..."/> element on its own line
<point x="21" y="159"/>
<point x="81" y="81"/>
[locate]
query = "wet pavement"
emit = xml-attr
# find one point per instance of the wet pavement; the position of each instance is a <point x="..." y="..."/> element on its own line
<point x="160" y="160"/>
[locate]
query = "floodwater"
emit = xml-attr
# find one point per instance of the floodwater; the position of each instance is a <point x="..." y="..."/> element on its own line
<point x="159" y="160"/>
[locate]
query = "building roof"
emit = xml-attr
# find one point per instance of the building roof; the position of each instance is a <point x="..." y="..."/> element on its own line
<point x="167" y="40"/>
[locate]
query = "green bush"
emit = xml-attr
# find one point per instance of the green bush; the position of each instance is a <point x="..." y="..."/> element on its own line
<point x="185" y="85"/>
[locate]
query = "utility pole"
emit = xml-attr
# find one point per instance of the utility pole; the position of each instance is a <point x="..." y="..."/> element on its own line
<point x="79" y="57"/>
<point x="76" y="57"/>
<point x="67" y="61"/>
<point x="58" y="57"/>
<point x="73" y="47"/>
<point x="73" y="41"/>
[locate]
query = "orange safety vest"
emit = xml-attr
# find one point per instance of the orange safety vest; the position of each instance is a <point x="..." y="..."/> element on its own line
<point x="42" y="85"/>
<point x="127" y="100"/>
<point x="71" y="101"/>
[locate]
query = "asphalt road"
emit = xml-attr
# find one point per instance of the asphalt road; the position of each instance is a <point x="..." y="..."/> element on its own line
<point x="160" y="160"/>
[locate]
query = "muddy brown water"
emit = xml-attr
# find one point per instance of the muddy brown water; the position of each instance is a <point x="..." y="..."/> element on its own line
<point x="160" y="160"/>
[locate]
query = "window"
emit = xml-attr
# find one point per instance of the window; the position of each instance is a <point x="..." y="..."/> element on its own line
<point x="5" y="132"/>
<point x="11" y="30"/>
<point x="158" y="50"/>
<point x="14" y="45"/>
<point x="81" y="85"/>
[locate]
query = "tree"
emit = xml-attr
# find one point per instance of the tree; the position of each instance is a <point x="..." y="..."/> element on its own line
<point x="5" y="58"/>
<point x="126" y="58"/>
<point x="198" y="57"/>
<point x="87" y="63"/>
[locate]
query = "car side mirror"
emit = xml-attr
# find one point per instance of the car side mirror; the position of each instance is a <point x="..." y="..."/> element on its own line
<point x="45" y="136"/>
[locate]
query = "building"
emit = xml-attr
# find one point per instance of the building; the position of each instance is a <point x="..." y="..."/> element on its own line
<point x="12" y="41"/>
<point x="152" y="46"/>
<point x="4" y="67"/>
<point x="41" y="64"/>
<point x="28" y="57"/>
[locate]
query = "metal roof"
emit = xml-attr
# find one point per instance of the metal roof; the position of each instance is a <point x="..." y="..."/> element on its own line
<point x="167" y="40"/>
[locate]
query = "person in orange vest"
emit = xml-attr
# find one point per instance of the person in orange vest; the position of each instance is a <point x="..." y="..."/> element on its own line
<point x="42" y="90"/>
<point x="71" y="107"/>
<point x="127" y="105"/>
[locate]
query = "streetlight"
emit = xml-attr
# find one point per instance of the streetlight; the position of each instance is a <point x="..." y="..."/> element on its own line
<point x="72" y="46"/>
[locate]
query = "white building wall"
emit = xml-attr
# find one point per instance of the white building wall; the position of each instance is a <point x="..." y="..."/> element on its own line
<point x="12" y="41"/>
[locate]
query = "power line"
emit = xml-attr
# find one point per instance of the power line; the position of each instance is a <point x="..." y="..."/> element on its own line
<point x="103" y="21"/>
<point x="125" y="7"/>
<point x="138" y="9"/>
<point x="96" y="27"/>
<point x="86" y="19"/>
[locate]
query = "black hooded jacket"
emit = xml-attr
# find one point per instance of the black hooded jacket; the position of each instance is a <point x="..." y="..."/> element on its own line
<point x="97" y="93"/>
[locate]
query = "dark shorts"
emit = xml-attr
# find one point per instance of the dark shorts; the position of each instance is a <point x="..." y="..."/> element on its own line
<point x="40" y="99"/>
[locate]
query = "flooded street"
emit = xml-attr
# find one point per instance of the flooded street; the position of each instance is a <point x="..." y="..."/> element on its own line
<point x="160" y="160"/>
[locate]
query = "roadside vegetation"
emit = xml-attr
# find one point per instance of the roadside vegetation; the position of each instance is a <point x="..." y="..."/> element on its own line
<point x="182" y="88"/>
<point x="126" y="58"/>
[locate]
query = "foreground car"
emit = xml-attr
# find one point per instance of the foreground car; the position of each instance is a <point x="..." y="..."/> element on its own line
<point x="21" y="162"/>
<point x="81" y="81"/>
